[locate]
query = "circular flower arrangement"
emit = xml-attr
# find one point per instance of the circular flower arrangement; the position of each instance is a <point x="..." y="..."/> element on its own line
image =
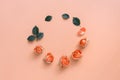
<point x="64" y="60"/>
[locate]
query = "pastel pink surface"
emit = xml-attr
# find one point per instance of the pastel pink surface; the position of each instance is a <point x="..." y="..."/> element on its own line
<point x="101" y="58"/>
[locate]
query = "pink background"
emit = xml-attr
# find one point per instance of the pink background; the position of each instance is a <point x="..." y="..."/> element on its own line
<point x="101" y="58"/>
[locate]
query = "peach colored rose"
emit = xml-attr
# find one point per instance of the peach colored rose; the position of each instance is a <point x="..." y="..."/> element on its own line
<point x="38" y="49"/>
<point x="64" y="61"/>
<point x="76" y="54"/>
<point x="83" y="42"/>
<point x="49" y="58"/>
<point x="82" y="31"/>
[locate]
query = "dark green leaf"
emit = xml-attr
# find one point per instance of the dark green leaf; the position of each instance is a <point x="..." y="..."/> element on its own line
<point x="35" y="30"/>
<point x="65" y="16"/>
<point x="48" y="18"/>
<point x="76" y="21"/>
<point x="40" y="35"/>
<point x="31" y="38"/>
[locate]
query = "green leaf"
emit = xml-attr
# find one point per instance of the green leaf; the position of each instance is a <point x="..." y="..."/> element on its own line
<point x="65" y="16"/>
<point x="48" y="18"/>
<point x="40" y="35"/>
<point x="35" y="30"/>
<point x="76" y="21"/>
<point x="31" y="38"/>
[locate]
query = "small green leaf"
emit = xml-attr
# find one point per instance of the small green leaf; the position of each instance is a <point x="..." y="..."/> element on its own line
<point x="65" y="16"/>
<point x="31" y="38"/>
<point x="40" y="35"/>
<point x="76" y="21"/>
<point x="35" y="30"/>
<point x="48" y="18"/>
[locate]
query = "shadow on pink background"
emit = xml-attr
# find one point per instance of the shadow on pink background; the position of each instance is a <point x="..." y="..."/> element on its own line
<point x="101" y="58"/>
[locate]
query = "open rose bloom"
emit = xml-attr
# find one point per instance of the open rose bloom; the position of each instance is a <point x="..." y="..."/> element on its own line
<point x="83" y="42"/>
<point x="49" y="58"/>
<point x="82" y="31"/>
<point x="76" y="55"/>
<point x="64" y="61"/>
<point x="38" y="50"/>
